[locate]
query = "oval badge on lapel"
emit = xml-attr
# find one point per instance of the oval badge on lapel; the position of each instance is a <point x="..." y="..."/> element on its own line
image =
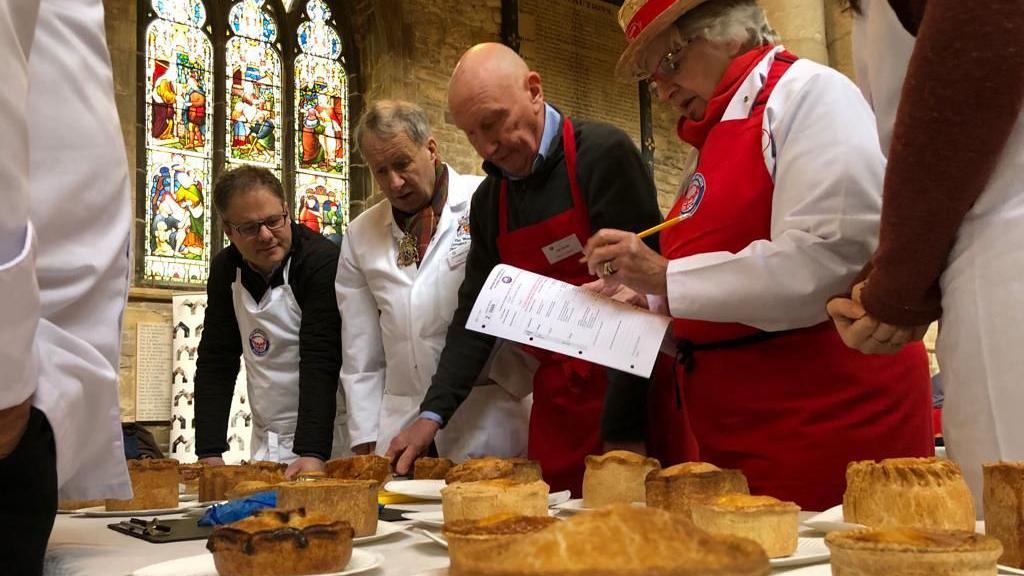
<point x="259" y="343"/>
<point x="693" y="194"/>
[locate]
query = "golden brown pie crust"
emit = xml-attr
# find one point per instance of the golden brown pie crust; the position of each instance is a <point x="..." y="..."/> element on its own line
<point x="475" y="500"/>
<point x="772" y="523"/>
<point x="490" y="468"/>
<point x="215" y="481"/>
<point x="920" y="492"/>
<point x="912" y="552"/>
<point x="352" y="501"/>
<point x="617" y="476"/>
<point x="677" y="488"/>
<point x="427" y="468"/>
<point x="154" y="485"/>
<point x="470" y="540"/>
<point x="278" y="542"/>
<point x="624" y="540"/>
<point x="361" y="467"/>
<point x="1003" y="501"/>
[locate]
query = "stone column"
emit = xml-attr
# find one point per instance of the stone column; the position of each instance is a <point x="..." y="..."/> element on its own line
<point x="801" y="24"/>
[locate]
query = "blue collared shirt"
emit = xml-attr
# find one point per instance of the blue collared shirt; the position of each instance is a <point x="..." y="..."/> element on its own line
<point x="552" y="122"/>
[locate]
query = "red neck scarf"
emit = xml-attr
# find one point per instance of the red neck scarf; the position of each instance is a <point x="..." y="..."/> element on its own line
<point x="695" y="133"/>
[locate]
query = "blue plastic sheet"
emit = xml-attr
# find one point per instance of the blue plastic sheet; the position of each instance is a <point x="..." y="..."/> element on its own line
<point x="236" y="510"/>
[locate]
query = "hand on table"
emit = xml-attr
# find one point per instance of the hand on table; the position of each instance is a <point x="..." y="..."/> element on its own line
<point x="623" y="255"/>
<point x="861" y="331"/>
<point x="410" y="443"/>
<point x="304" y="464"/>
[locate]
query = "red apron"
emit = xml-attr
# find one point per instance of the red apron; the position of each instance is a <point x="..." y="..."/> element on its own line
<point x="790" y="409"/>
<point x="568" y="393"/>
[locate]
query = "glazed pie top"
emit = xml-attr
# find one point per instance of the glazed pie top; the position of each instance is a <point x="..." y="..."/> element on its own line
<point x="748" y="503"/>
<point x="625" y="540"/>
<point x="688" y="469"/>
<point x="362" y="467"/>
<point x="275" y="524"/>
<point x="490" y="468"/>
<point x="913" y="540"/>
<point x="621" y="457"/>
<point x="499" y="525"/>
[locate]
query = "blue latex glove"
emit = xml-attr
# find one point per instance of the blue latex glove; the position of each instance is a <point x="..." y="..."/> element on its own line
<point x="236" y="510"/>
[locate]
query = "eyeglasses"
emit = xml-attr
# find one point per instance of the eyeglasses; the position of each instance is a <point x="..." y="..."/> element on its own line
<point x="669" y="63"/>
<point x="250" y="229"/>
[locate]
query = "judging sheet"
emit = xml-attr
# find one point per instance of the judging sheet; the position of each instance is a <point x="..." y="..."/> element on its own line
<point x="518" y="305"/>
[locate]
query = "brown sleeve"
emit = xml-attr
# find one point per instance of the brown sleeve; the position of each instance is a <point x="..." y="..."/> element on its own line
<point x="961" y="100"/>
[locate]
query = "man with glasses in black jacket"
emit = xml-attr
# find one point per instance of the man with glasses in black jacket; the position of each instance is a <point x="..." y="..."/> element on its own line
<point x="271" y="301"/>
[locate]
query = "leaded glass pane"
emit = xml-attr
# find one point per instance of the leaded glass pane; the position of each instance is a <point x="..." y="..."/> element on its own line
<point x="321" y="204"/>
<point x="179" y="56"/>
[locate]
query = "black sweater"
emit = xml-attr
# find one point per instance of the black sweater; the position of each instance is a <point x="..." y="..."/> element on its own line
<point x="619" y="193"/>
<point x="314" y="263"/>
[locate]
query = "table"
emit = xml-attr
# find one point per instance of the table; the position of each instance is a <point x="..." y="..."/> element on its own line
<point x="81" y="546"/>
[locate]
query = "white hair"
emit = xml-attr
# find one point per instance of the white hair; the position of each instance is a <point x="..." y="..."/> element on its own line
<point x="723" y="21"/>
<point x="386" y="119"/>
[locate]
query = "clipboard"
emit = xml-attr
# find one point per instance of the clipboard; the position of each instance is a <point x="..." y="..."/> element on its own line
<point x="160" y="531"/>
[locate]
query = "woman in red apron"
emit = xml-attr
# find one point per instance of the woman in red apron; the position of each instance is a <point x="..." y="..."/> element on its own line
<point x="789" y="405"/>
<point x="568" y="393"/>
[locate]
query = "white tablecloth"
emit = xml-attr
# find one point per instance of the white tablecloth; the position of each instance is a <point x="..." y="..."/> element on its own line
<point x="81" y="546"/>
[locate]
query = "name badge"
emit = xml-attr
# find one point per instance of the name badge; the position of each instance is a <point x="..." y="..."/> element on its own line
<point x="561" y="249"/>
<point x="457" y="254"/>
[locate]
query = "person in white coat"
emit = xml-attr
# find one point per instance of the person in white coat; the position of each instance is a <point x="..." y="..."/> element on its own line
<point x="271" y="301"/>
<point x="948" y="100"/>
<point x="64" y="282"/>
<point x="399" y="273"/>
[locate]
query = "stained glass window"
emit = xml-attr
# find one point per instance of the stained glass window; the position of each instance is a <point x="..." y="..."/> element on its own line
<point x="321" y="135"/>
<point x="179" y="57"/>
<point x="253" y="87"/>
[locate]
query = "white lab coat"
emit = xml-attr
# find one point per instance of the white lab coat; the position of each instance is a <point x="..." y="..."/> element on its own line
<point x="390" y="356"/>
<point x="980" y="336"/>
<point x="65" y="289"/>
<point x="821" y="148"/>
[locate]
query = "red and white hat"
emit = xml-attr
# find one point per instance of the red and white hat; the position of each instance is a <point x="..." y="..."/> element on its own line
<point x="642" y="20"/>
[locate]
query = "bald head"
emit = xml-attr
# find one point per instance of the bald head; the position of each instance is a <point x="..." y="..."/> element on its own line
<point x="498" y="102"/>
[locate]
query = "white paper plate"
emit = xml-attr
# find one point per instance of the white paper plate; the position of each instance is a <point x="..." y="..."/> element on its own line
<point x="425" y="489"/>
<point x="557" y="498"/>
<point x="576" y="505"/>
<point x="436" y="519"/>
<point x="830" y="520"/>
<point x="202" y="565"/>
<point x="808" y="551"/>
<point x="1008" y="570"/>
<point x="438" y="539"/>
<point x="102" y="512"/>
<point x="384" y="529"/>
<point x="816" y="570"/>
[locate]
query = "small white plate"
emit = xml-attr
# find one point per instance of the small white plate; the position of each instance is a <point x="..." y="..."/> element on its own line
<point x="830" y="520"/>
<point x="435" y="538"/>
<point x="384" y="529"/>
<point x="436" y="519"/>
<point x="557" y="498"/>
<point x="425" y="489"/>
<point x="576" y="505"/>
<point x="1008" y="570"/>
<point x="202" y="565"/>
<point x="816" y="570"/>
<point x="808" y="551"/>
<point x="102" y="512"/>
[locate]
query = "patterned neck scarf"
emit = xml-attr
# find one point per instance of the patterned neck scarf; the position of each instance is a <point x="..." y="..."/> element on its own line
<point x="419" y="228"/>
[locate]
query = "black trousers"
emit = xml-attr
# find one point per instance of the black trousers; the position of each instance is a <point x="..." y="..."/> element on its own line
<point x="28" y="499"/>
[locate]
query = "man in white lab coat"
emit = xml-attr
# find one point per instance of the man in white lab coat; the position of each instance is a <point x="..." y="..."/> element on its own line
<point x="64" y="284"/>
<point x="397" y="284"/>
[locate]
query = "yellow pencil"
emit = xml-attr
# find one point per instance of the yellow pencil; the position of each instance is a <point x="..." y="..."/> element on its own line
<point x="666" y="224"/>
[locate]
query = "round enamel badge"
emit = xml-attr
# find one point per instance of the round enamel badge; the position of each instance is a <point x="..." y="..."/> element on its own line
<point x="692" y="195"/>
<point x="259" y="343"/>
